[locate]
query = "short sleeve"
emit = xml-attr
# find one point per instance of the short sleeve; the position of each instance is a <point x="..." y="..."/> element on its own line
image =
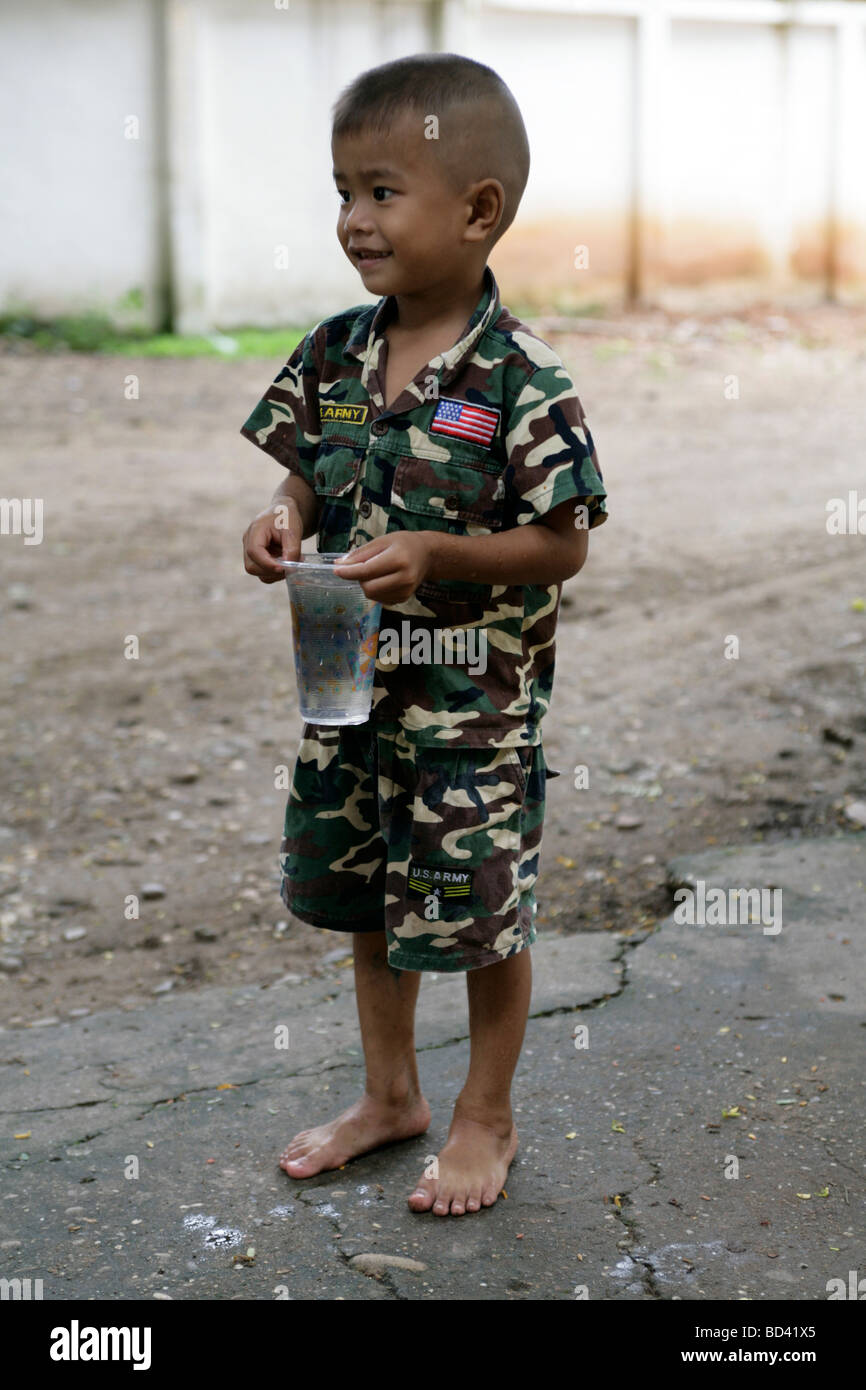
<point x="551" y="455"/>
<point x="286" y="422"/>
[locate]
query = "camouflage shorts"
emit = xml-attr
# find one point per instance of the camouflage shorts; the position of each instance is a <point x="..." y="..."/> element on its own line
<point x="437" y="846"/>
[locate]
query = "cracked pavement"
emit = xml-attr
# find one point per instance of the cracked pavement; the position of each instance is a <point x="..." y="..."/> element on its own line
<point x="150" y="1170"/>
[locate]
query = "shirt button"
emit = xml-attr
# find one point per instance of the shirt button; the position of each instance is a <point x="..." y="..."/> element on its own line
<point x="378" y="427"/>
<point x="365" y="507"/>
<point x="452" y="502"/>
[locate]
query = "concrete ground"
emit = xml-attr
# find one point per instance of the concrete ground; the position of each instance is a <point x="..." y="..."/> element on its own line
<point x="723" y="440"/>
<point x="703" y="1139"/>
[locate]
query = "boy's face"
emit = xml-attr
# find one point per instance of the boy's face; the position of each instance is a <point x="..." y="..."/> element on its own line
<point x="394" y="199"/>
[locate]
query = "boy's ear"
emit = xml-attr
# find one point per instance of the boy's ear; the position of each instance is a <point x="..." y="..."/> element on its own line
<point x="488" y="203"/>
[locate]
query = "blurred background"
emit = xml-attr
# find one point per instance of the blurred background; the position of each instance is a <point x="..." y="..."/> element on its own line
<point x="170" y="168"/>
<point x="691" y="242"/>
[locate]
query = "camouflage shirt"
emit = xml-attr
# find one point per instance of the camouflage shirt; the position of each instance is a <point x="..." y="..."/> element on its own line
<point x="488" y="436"/>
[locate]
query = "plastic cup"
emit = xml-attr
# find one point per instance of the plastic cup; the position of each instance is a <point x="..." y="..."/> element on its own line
<point x="335" y="633"/>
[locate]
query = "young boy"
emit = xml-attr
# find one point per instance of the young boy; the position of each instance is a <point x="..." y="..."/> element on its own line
<point x="438" y="439"/>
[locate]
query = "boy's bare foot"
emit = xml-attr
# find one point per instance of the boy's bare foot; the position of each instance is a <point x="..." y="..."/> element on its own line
<point x="365" y="1125"/>
<point x="473" y="1165"/>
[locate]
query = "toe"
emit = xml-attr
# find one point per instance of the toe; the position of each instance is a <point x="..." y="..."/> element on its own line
<point x="473" y="1201"/>
<point x="423" y="1196"/>
<point x="295" y="1149"/>
<point x="297" y="1166"/>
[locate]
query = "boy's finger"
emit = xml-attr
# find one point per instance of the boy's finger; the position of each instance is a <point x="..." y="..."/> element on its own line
<point x="289" y="539"/>
<point x="291" y="549"/>
<point x="362" y="553"/>
<point x="263" y="560"/>
<point x="378" y="564"/>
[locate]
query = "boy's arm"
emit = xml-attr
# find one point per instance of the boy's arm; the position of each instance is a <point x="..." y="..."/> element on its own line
<point x="391" y="567"/>
<point x="547" y="551"/>
<point x="286" y="424"/>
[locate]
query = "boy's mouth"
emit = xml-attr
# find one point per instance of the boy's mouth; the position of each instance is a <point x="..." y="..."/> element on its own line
<point x="367" y="258"/>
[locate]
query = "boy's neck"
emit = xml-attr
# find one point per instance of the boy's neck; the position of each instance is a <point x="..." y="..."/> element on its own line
<point x="428" y="312"/>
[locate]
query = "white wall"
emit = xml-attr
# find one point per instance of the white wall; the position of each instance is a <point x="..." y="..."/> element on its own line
<point x="77" y="206"/>
<point x="270" y="81"/>
<point x="683" y="142"/>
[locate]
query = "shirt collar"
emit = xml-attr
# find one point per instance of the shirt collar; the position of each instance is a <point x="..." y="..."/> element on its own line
<point x="367" y="331"/>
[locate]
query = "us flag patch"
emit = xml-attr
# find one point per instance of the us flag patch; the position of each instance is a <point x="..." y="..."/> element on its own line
<point x="464" y="421"/>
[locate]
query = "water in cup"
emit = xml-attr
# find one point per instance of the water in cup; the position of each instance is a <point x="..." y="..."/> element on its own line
<point x="335" y="631"/>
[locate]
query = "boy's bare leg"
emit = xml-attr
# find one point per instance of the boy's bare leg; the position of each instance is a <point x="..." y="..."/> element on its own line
<point x="482" y="1139"/>
<point x="392" y="1106"/>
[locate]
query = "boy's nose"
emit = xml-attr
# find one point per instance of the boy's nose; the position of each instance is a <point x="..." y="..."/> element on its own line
<point x="358" y="215"/>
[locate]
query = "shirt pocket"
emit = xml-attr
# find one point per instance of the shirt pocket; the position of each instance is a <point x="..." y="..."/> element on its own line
<point x="456" y="493"/>
<point x="339" y="460"/>
<point x="338" y="464"/>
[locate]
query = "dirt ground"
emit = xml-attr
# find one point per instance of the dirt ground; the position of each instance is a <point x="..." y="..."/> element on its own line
<point x="721" y="440"/>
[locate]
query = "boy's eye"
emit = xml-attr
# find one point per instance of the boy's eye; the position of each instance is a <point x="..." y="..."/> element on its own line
<point x="379" y="188"/>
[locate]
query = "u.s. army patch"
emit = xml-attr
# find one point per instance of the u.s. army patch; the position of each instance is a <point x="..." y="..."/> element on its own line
<point x="338" y="411"/>
<point x="424" y="879"/>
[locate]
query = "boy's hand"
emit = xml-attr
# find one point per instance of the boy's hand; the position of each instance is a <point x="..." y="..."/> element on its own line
<point x="390" y="568"/>
<point x="276" y="531"/>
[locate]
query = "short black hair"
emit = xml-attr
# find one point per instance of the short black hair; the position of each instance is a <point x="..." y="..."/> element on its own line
<point x="481" y="132"/>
